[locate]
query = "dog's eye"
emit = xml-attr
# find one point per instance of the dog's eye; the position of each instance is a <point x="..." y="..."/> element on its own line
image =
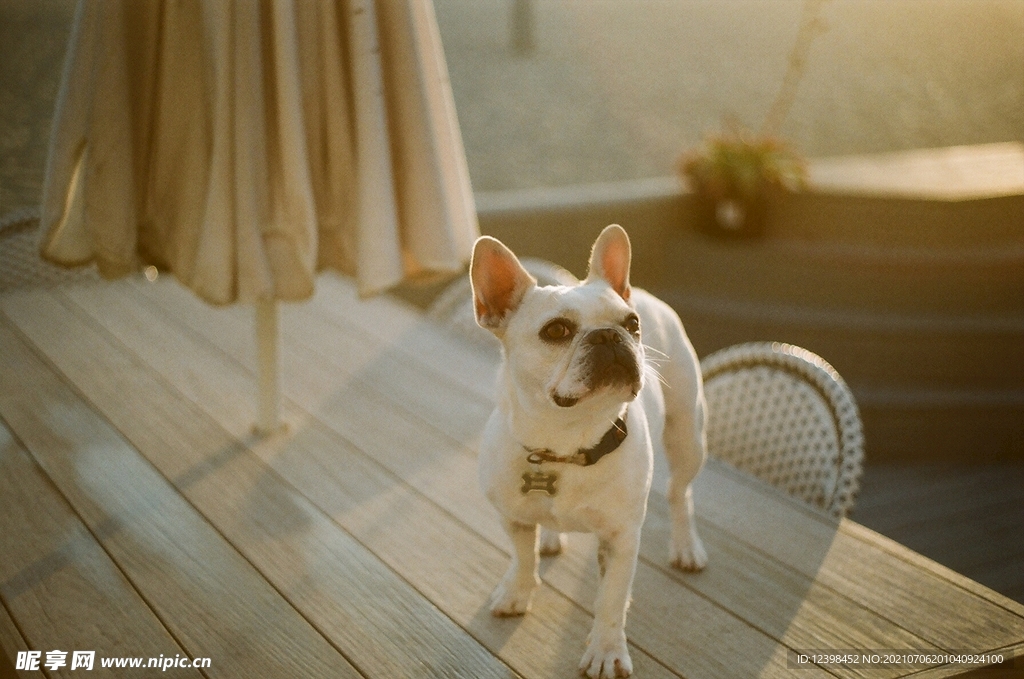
<point x="632" y="324"/>
<point x="557" y="330"/>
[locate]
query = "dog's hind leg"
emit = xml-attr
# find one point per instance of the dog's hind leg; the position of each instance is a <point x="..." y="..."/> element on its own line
<point x="685" y="450"/>
<point x="685" y="445"/>
<point x="551" y="542"/>
<point x="686" y="551"/>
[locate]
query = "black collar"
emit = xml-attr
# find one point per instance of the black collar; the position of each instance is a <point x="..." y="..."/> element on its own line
<point x="585" y="456"/>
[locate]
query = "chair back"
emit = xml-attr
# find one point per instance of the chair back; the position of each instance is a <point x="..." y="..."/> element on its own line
<point x="785" y="415"/>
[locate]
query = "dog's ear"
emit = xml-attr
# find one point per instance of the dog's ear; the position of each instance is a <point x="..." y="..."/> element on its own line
<point x="609" y="260"/>
<point x="499" y="283"/>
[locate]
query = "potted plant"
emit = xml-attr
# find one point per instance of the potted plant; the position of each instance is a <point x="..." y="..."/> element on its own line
<point x="736" y="174"/>
<point x="734" y="177"/>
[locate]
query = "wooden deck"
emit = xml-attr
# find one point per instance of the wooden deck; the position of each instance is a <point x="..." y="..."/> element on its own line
<point x="969" y="517"/>
<point x="142" y="518"/>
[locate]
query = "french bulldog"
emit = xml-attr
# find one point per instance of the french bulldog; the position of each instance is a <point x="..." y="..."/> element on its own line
<point x="594" y="377"/>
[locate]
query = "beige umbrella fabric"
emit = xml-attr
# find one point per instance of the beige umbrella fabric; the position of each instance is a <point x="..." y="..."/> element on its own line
<point x="245" y="145"/>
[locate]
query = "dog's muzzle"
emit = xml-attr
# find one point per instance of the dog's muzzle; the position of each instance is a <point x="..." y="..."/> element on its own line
<point x="611" y="360"/>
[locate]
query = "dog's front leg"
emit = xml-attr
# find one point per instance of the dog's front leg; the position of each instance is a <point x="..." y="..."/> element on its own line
<point x="515" y="591"/>
<point x="607" y="655"/>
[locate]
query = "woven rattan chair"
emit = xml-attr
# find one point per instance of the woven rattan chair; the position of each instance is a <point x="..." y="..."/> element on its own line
<point x="785" y="415"/>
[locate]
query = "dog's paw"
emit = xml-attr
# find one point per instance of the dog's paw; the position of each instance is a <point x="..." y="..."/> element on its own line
<point x="607" y="657"/>
<point x="551" y="542"/>
<point x="512" y="598"/>
<point x="689" y="555"/>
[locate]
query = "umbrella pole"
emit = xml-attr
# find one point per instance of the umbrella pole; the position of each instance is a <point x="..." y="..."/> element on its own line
<point x="269" y="419"/>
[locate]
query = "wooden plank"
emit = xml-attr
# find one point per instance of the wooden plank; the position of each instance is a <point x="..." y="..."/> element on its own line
<point x="930" y="600"/>
<point x="63" y="588"/>
<point x="1012" y="667"/>
<point x="450" y="564"/>
<point x="355" y="338"/>
<point x="525" y="659"/>
<point x="315" y="392"/>
<point x="305" y="345"/>
<point x="771" y="613"/>
<point x="904" y="568"/>
<point x="337" y="308"/>
<point x="11" y="642"/>
<point x="356" y="410"/>
<point x="352" y="315"/>
<point x="564" y="617"/>
<point x="57" y="581"/>
<point x="207" y="595"/>
<point x="475" y="371"/>
<point x="877" y="596"/>
<point x="770" y="607"/>
<point x="449" y="481"/>
<point x="908" y="557"/>
<point x="333" y="580"/>
<point x="426" y="343"/>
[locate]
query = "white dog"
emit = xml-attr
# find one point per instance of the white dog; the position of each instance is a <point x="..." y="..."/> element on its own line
<point x="581" y="404"/>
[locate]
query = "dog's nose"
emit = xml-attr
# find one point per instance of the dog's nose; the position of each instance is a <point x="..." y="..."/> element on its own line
<point x="604" y="336"/>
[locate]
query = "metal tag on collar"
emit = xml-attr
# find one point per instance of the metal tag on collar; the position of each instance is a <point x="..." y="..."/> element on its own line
<point x="537" y="481"/>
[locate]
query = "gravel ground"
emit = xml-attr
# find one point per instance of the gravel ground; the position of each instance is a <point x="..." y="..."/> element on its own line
<point x="615" y="89"/>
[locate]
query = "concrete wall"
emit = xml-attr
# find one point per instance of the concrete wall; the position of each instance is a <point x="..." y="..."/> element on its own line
<point x="917" y="302"/>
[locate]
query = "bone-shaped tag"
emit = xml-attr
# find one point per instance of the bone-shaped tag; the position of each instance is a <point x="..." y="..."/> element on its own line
<point x="539" y="482"/>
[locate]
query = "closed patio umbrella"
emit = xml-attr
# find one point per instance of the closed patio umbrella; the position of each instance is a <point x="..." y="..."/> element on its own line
<point x="245" y="145"/>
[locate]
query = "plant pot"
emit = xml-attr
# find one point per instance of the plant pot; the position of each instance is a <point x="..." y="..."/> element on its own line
<point x="732" y="217"/>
